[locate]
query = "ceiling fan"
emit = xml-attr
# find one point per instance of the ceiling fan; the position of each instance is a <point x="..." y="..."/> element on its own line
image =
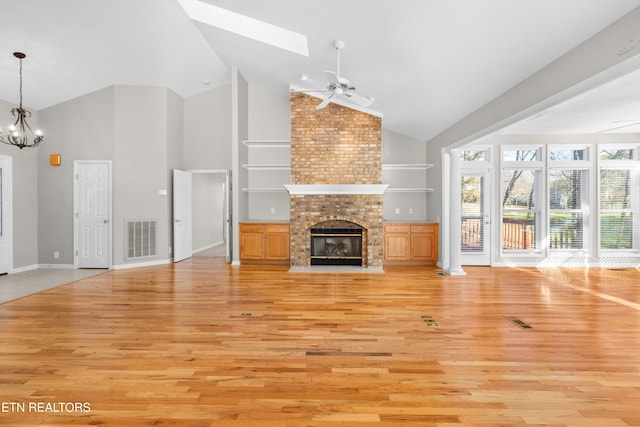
<point x="340" y="87"/>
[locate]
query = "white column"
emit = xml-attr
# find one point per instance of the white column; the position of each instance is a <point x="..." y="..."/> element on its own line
<point x="445" y="223"/>
<point x="455" y="213"/>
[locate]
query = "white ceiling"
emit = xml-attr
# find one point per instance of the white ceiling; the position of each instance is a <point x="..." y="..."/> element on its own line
<point x="428" y="63"/>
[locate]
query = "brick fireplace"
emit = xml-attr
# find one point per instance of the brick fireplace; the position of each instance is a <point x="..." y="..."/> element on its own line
<point x="336" y="176"/>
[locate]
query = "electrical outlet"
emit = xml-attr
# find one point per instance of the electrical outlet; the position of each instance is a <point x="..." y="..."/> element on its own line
<point x="410" y="211"/>
<point x="56" y="254"/>
<point x="273" y="210"/>
<point x="397" y="211"/>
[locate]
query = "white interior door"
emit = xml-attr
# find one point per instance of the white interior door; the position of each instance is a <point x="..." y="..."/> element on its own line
<point x="182" y="215"/>
<point x="475" y="234"/>
<point x="93" y="214"/>
<point x="6" y="242"/>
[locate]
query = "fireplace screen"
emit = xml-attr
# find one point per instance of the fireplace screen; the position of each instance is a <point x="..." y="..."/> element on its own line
<point x="336" y="246"/>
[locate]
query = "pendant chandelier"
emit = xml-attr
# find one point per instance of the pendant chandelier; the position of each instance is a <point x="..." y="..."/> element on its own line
<point x="20" y="133"/>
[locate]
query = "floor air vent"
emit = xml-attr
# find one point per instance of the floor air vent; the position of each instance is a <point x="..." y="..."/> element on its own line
<point x="519" y="323"/>
<point x="141" y="238"/>
<point x="429" y="321"/>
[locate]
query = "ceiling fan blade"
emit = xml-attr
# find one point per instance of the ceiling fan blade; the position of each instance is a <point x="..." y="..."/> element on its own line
<point x="332" y="77"/>
<point x="325" y="102"/>
<point x="364" y="101"/>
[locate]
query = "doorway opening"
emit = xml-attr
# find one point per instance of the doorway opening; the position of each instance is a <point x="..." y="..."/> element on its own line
<point x="211" y="213"/>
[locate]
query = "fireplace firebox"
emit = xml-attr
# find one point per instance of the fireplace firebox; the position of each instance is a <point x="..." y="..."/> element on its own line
<point x="336" y="246"/>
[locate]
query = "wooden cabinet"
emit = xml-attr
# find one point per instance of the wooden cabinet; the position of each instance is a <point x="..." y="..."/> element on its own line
<point x="411" y="243"/>
<point x="397" y="242"/>
<point x="264" y="242"/>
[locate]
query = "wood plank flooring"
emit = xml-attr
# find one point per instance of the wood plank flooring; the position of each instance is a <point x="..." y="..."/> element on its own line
<point x="201" y="343"/>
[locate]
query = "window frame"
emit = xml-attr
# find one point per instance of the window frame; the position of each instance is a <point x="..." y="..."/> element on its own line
<point x="586" y="194"/>
<point x="540" y="210"/>
<point x="633" y="165"/>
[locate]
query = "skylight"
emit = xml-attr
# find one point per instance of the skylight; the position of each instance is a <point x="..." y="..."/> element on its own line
<point x="246" y="26"/>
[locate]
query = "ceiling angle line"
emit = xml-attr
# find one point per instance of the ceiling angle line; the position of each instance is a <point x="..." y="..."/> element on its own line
<point x="246" y="26"/>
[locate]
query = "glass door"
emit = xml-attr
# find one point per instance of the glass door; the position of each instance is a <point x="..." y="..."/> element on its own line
<point x="475" y="234"/>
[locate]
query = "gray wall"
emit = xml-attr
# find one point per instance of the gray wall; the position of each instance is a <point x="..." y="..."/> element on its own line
<point x="401" y="149"/>
<point x="140" y="163"/>
<point x="80" y="129"/>
<point x="140" y="130"/>
<point x="207" y="129"/>
<point x="175" y="154"/>
<point x="269" y="115"/>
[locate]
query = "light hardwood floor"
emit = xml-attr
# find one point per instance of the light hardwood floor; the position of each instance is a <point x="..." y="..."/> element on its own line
<point x="201" y="343"/>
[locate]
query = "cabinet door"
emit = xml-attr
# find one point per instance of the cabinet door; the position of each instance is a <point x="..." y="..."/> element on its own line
<point x="422" y="247"/>
<point x="277" y="246"/>
<point x="397" y="246"/>
<point x="251" y="245"/>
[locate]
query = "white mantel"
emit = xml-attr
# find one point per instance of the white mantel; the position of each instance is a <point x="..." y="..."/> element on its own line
<point x="307" y="189"/>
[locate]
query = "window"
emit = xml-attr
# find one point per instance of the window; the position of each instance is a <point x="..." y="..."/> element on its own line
<point x="619" y="199"/>
<point x="475" y="155"/>
<point x="568" y="193"/>
<point x="610" y="153"/>
<point x="568" y="154"/>
<point x="520" y="209"/>
<point x="521" y="155"/>
<point x="616" y="212"/>
<point x="521" y="206"/>
<point x="473" y="211"/>
<point x="568" y="184"/>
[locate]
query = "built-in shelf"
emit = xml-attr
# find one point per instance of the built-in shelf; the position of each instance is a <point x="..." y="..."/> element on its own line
<point x="266" y="167"/>
<point x="264" y="190"/>
<point x="263" y="171"/>
<point x="406" y="166"/>
<point x="267" y="143"/>
<point x="408" y="190"/>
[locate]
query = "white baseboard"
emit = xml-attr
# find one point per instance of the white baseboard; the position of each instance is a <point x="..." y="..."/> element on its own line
<point x="57" y="266"/>
<point x="24" y="268"/>
<point x="142" y="264"/>
<point x="204" y="248"/>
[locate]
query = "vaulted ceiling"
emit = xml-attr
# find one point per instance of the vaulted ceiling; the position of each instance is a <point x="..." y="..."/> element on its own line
<point x="427" y="63"/>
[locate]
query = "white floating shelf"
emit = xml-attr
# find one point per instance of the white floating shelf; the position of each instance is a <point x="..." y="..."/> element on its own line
<point x="264" y="190"/>
<point x="266" y="143"/>
<point x="406" y="166"/>
<point x="266" y="167"/>
<point x="408" y="190"/>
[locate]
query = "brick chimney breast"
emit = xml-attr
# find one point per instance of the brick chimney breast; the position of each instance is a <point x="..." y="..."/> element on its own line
<point x="335" y="145"/>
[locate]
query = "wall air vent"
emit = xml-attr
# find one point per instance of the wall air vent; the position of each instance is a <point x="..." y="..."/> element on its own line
<point x="141" y="238"/>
